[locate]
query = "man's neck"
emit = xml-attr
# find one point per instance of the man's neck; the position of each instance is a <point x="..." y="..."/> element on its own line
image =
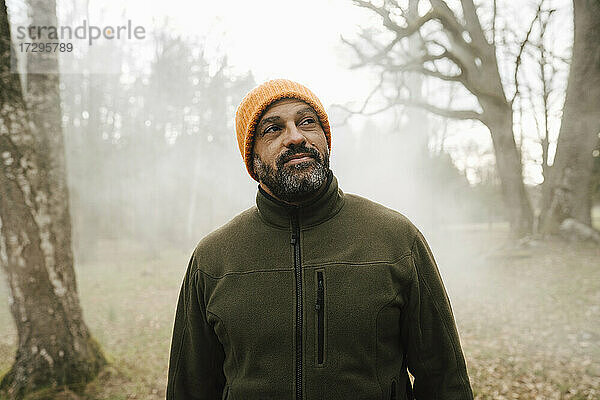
<point x="301" y="201"/>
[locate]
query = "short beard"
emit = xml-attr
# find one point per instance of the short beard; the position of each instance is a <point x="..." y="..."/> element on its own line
<point x="293" y="183"/>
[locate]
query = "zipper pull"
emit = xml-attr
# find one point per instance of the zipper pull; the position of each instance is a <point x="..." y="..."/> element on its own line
<point x="294" y="223"/>
<point x="320" y="291"/>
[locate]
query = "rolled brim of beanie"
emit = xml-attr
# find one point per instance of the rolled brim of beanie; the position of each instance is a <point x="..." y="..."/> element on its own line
<point x="254" y="105"/>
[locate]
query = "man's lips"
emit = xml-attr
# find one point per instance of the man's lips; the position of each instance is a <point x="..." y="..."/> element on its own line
<point x="298" y="158"/>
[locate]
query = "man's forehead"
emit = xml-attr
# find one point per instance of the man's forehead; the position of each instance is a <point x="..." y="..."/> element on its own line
<point x="294" y="105"/>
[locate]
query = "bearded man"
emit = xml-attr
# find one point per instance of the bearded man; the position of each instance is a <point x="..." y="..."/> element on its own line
<point x="313" y="293"/>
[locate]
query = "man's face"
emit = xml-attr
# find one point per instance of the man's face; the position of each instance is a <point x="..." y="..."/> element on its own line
<point x="290" y="154"/>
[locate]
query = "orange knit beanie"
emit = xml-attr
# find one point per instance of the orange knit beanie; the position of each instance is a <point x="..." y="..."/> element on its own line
<point x="255" y="104"/>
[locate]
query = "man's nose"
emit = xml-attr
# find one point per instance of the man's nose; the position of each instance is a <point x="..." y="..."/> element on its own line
<point x="293" y="135"/>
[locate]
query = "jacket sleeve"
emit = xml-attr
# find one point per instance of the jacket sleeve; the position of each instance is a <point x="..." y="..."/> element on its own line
<point x="196" y="360"/>
<point x="430" y="339"/>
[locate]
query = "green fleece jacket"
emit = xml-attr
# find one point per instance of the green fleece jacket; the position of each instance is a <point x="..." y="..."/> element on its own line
<point x="330" y="300"/>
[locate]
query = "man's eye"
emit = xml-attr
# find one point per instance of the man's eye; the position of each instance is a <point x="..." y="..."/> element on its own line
<point x="271" y="128"/>
<point x="308" y="120"/>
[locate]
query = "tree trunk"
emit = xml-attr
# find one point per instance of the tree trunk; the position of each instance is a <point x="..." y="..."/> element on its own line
<point x="54" y="345"/>
<point x="508" y="164"/>
<point x="568" y="190"/>
<point x="498" y="117"/>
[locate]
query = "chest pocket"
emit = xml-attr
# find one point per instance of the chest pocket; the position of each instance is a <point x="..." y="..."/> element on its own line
<point x="353" y="305"/>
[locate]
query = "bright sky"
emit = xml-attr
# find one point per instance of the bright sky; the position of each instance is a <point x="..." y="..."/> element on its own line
<point x="295" y="40"/>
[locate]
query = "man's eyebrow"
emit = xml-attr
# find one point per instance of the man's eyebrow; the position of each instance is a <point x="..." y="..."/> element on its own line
<point x="306" y="110"/>
<point x="268" y="119"/>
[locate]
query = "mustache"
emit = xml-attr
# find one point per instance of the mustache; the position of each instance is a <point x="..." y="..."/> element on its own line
<point x="285" y="157"/>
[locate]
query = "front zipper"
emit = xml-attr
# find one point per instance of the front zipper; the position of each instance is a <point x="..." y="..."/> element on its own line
<point x="295" y="241"/>
<point x="320" y="307"/>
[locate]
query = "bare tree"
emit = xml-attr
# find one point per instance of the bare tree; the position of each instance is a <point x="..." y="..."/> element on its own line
<point x="453" y="49"/>
<point x="547" y="75"/>
<point x="540" y="90"/>
<point x="568" y="190"/>
<point x="55" y="347"/>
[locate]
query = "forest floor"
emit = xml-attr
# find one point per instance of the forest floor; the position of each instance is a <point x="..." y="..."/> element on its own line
<point x="528" y="316"/>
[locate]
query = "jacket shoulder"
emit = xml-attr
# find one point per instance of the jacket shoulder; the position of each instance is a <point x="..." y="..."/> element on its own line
<point x="217" y="244"/>
<point x="378" y="221"/>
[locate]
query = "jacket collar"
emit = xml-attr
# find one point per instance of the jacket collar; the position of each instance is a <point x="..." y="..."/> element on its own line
<point x="316" y="211"/>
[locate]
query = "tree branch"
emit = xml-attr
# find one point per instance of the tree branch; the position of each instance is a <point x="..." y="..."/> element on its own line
<point x="494" y="15"/>
<point x="377" y="57"/>
<point x="362" y="109"/>
<point x="522" y="47"/>
<point x="444" y="112"/>
<point x="402" y="32"/>
<point x="450" y="55"/>
<point x="478" y="70"/>
<point x="416" y="65"/>
<point x="450" y="21"/>
<point x="473" y="26"/>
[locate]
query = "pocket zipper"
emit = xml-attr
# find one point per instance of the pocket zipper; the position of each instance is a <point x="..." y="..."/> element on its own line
<point x="320" y="307"/>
